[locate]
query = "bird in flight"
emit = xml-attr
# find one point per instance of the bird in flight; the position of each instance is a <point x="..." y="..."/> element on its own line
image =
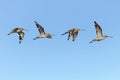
<point x="99" y="33"/>
<point x="42" y="32"/>
<point x="72" y="32"/>
<point x="20" y="32"/>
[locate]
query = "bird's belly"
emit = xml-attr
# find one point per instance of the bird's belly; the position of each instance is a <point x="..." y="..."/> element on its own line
<point x="42" y="36"/>
<point x="100" y="38"/>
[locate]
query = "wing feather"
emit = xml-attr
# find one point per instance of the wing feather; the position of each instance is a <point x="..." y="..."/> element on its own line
<point x="98" y="29"/>
<point x="40" y="28"/>
<point x="21" y="36"/>
<point x="74" y="35"/>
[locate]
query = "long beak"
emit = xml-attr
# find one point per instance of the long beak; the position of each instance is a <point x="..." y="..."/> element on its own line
<point x="110" y="36"/>
<point x="53" y="34"/>
<point x="26" y="29"/>
<point x="82" y="29"/>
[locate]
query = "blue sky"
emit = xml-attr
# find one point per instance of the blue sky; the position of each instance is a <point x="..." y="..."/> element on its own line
<point x="58" y="58"/>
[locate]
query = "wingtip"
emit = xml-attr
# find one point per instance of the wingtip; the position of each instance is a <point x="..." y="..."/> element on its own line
<point x="62" y="34"/>
<point x="34" y="38"/>
<point x="20" y="42"/>
<point x="35" y="22"/>
<point x="95" y="22"/>
<point x="90" y="42"/>
<point x="73" y="40"/>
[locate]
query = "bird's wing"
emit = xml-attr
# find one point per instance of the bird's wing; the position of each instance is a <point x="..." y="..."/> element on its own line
<point x="65" y="33"/>
<point x="69" y="31"/>
<point x="69" y="35"/>
<point x="21" y="36"/>
<point x="40" y="28"/>
<point x="98" y="29"/>
<point x="13" y="31"/>
<point x="74" y="35"/>
<point x="36" y="37"/>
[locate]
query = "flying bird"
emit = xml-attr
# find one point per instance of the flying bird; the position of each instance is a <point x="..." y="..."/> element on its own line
<point x="72" y="32"/>
<point x="20" y="32"/>
<point x="42" y="32"/>
<point x="99" y="33"/>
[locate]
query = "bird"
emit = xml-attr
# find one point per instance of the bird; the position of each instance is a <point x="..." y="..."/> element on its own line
<point x="42" y="32"/>
<point x="20" y="32"/>
<point x="99" y="33"/>
<point x="73" y="32"/>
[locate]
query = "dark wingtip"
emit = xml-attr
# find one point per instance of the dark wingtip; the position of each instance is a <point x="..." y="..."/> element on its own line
<point x="95" y="22"/>
<point x="9" y="33"/>
<point x="73" y="40"/>
<point x="19" y="42"/>
<point x="90" y="42"/>
<point x="35" y="22"/>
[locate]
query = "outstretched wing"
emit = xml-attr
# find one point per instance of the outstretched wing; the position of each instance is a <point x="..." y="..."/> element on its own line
<point x="69" y="35"/>
<point x="98" y="29"/>
<point x="64" y="33"/>
<point x="69" y="31"/>
<point x="40" y="28"/>
<point x="13" y="31"/>
<point x="21" y="36"/>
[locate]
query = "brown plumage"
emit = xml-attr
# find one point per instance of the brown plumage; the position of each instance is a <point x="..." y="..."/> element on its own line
<point x="72" y="32"/>
<point x="42" y="32"/>
<point x="99" y="33"/>
<point x="20" y="32"/>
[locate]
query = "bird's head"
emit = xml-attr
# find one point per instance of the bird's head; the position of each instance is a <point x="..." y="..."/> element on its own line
<point x="78" y="29"/>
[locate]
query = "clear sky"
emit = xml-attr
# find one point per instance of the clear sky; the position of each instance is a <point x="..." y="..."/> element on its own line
<point x="58" y="58"/>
